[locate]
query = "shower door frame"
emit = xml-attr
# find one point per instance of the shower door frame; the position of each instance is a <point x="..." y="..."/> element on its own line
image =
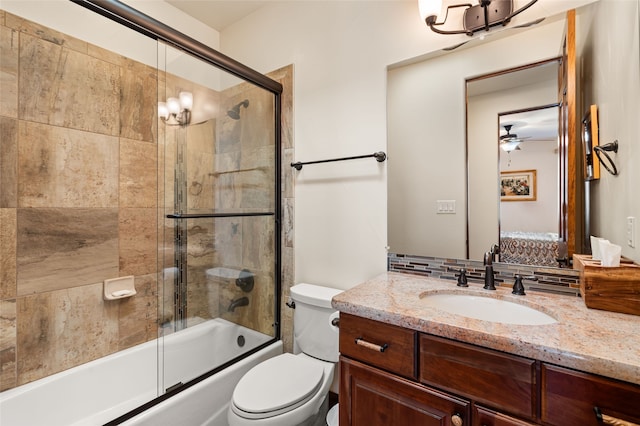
<point x="144" y="24"/>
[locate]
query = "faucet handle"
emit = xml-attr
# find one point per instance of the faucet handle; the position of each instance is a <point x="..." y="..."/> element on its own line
<point x="518" y="287"/>
<point x="461" y="275"/>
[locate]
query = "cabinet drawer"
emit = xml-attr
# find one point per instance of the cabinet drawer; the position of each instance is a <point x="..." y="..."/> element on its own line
<point x="382" y="345"/>
<point x="569" y="398"/>
<point x="485" y="417"/>
<point x="502" y="381"/>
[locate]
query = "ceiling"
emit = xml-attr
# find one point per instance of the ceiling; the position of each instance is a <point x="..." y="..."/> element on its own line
<point x="217" y="14"/>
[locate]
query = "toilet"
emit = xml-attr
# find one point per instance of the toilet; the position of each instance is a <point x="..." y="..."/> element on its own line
<point x="288" y="390"/>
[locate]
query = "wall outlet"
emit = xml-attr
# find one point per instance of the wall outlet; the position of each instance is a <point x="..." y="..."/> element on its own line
<point x="631" y="231"/>
<point x="446" y="207"/>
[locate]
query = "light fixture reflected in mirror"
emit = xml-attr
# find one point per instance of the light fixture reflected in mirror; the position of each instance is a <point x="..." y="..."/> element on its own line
<point x="177" y="111"/>
<point x="508" y="146"/>
<point x="482" y="16"/>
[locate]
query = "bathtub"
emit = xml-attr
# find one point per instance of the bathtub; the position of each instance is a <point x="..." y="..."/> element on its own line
<point x="102" y="390"/>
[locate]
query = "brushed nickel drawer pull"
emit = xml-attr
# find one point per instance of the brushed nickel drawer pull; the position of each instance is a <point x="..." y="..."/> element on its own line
<point x="608" y="420"/>
<point x="378" y="348"/>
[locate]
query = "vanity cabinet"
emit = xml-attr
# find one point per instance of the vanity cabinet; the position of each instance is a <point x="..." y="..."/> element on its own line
<point x="391" y="376"/>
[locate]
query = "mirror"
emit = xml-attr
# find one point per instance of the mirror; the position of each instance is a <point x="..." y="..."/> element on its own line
<point x="427" y="162"/>
<point x="427" y="169"/>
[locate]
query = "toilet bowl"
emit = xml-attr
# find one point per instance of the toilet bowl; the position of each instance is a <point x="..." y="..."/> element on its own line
<point x="289" y="390"/>
<point x="297" y="386"/>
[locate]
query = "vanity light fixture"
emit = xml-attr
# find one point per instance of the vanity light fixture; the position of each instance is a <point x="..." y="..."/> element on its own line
<point x="483" y="16"/>
<point x="177" y="111"/>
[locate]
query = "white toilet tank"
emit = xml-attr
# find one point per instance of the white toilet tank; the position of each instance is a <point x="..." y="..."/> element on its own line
<point x="312" y="329"/>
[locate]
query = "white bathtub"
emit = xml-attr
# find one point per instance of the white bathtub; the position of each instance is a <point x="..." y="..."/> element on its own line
<point x="102" y="390"/>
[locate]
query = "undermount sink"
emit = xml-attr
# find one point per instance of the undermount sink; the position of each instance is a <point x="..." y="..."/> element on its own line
<point x="487" y="309"/>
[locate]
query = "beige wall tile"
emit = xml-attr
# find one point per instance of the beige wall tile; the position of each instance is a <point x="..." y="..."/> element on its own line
<point x="40" y="31"/>
<point x="258" y="243"/>
<point x="138" y="241"/>
<point x="8" y="225"/>
<point x="66" y="88"/>
<point x="9" y="72"/>
<point x="61" y="167"/>
<point x="8" y="161"/>
<point x="227" y="242"/>
<point x="63" y="248"/>
<point x="284" y="76"/>
<point x="61" y="329"/>
<point x="137" y="315"/>
<point x="138" y="174"/>
<point x="7" y="344"/>
<point x="200" y="162"/>
<point x="138" y="94"/>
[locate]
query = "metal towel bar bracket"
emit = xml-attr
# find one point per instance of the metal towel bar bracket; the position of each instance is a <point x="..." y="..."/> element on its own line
<point x="379" y="156"/>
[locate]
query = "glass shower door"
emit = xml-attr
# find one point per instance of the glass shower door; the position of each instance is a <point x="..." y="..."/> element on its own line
<point x="217" y="179"/>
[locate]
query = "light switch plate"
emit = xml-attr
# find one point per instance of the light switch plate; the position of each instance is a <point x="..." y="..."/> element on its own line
<point x="631" y="231"/>
<point x="446" y="207"/>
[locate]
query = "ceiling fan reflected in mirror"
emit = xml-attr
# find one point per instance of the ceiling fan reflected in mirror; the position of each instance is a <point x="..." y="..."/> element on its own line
<point x="510" y="141"/>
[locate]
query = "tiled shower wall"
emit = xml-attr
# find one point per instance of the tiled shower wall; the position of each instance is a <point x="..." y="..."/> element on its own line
<point x="78" y="200"/>
<point x="78" y="203"/>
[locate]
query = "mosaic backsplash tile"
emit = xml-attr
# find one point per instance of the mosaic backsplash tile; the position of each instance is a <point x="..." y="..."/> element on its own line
<point x="549" y="279"/>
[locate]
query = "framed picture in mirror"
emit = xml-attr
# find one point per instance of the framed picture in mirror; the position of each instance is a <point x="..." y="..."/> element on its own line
<point x="518" y="185"/>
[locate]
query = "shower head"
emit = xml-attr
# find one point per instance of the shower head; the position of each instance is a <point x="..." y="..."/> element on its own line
<point x="235" y="111"/>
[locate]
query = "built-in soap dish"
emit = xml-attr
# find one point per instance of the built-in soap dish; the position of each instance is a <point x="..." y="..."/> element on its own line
<point x="119" y="288"/>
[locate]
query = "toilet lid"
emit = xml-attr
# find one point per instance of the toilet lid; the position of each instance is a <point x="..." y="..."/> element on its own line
<point x="277" y="385"/>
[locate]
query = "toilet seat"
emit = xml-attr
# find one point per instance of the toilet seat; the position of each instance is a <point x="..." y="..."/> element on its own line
<point x="277" y="386"/>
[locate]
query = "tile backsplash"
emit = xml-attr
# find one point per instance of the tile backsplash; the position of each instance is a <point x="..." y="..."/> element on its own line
<point x="556" y="280"/>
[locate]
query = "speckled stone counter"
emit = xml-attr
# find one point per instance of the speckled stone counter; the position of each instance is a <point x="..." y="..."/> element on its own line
<point x="590" y="340"/>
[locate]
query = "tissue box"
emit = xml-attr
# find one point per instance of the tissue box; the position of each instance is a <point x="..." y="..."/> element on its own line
<point x="615" y="289"/>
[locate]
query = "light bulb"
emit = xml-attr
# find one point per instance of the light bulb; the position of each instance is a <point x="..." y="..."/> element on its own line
<point x="173" y="104"/>
<point x="186" y="100"/>
<point x="429" y="8"/>
<point x="163" y="111"/>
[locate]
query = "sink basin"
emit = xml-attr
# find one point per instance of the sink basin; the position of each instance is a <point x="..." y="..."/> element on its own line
<point x="487" y="309"/>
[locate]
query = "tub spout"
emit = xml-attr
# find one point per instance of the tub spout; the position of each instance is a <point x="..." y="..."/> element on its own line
<point x="242" y="301"/>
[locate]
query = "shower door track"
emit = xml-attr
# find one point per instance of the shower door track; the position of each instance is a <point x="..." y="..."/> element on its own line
<point x="205" y="215"/>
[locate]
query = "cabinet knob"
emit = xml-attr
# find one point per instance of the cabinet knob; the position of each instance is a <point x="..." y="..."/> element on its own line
<point x="456" y="420"/>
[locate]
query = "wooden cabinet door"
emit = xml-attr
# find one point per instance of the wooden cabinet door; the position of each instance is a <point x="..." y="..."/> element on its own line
<point x="372" y="397"/>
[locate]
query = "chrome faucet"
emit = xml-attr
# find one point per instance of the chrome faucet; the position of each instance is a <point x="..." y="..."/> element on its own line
<point x="489" y="257"/>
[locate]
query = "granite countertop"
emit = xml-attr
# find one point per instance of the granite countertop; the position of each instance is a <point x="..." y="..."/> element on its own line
<point x="590" y="340"/>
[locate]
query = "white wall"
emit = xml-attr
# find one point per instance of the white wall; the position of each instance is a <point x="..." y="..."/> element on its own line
<point x="340" y="51"/>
